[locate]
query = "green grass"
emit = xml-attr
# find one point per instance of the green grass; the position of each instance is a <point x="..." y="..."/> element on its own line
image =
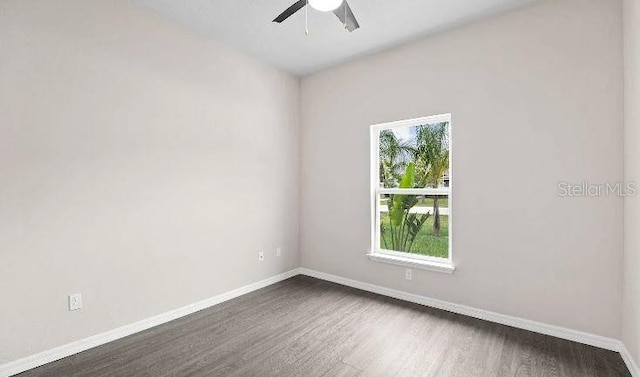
<point x="426" y="243"/>
<point x="428" y="202"/>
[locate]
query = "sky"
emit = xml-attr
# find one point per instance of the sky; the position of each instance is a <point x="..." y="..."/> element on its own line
<point x="405" y="133"/>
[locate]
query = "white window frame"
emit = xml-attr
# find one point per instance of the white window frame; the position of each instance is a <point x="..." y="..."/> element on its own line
<point x="379" y="254"/>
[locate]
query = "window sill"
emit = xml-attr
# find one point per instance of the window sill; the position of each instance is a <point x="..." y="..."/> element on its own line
<point x="443" y="267"/>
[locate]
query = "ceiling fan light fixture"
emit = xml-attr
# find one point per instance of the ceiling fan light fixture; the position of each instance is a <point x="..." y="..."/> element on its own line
<point x="325" y="5"/>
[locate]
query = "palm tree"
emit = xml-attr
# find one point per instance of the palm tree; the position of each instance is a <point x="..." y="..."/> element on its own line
<point x="439" y="167"/>
<point x="431" y="155"/>
<point x="394" y="154"/>
<point x="398" y="170"/>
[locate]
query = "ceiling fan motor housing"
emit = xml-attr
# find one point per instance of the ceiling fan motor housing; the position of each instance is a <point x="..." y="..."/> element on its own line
<point x="325" y="5"/>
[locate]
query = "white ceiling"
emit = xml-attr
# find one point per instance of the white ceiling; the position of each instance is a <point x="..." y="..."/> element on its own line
<point x="246" y="24"/>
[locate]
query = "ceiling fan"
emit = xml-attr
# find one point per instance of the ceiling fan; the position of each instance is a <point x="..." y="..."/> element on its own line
<point x="339" y="7"/>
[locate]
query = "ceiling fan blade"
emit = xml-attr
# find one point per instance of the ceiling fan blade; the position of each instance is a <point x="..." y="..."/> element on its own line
<point x="345" y="15"/>
<point x="290" y="11"/>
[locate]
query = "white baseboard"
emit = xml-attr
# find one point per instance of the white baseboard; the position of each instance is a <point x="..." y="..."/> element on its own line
<point x="542" y="328"/>
<point x="45" y="357"/>
<point x="58" y="353"/>
<point x="538" y="327"/>
<point x="628" y="359"/>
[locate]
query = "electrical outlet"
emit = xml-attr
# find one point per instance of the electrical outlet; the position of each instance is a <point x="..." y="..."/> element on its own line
<point x="75" y="301"/>
<point x="261" y="256"/>
<point x="278" y="251"/>
<point x="408" y="274"/>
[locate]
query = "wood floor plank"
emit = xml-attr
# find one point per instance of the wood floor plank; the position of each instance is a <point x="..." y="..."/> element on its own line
<point x="312" y="328"/>
<point x="343" y="370"/>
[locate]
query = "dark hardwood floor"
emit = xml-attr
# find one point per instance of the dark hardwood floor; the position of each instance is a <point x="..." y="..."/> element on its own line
<point x="308" y="327"/>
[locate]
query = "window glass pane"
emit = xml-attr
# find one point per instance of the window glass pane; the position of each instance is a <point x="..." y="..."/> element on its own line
<point x="415" y="224"/>
<point x="414" y="156"/>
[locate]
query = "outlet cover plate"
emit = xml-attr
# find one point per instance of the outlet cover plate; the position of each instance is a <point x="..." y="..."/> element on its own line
<point x="75" y="301"/>
<point x="408" y="274"/>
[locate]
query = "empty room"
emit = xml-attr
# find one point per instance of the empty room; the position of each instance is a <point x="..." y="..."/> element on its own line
<point x="320" y="188"/>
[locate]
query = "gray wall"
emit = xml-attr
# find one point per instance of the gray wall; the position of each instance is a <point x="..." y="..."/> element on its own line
<point x="631" y="323"/>
<point x="536" y="98"/>
<point x="140" y="165"/>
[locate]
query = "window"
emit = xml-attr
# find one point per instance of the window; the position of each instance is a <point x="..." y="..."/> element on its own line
<point x="411" y="193"/>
